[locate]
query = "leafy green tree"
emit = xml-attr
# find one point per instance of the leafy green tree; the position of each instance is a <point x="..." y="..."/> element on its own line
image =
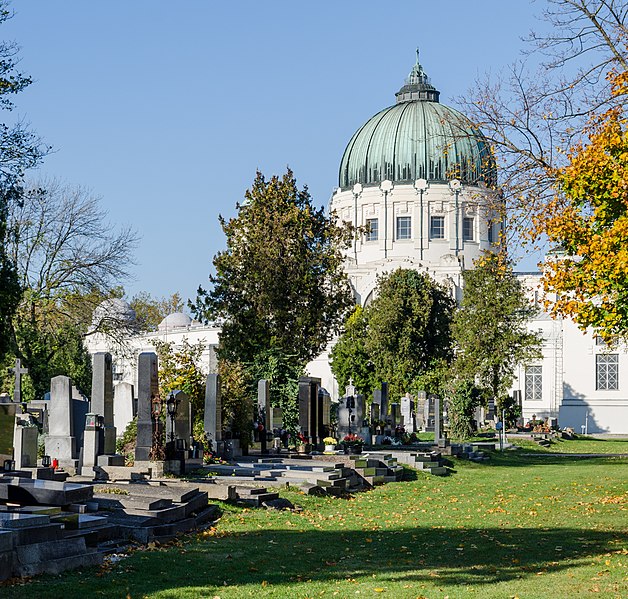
<point x="151" y="310"/>
<point x="182" y="368"/>
<point x="20" y="149"/>
<point x="280" y="284"/>
<point x="490" y="329"/>
<point x="408" y="328"/>
<point x="463" y="398"/>
<point x="588" y="220"/>
<point x="67" y="260"/>
<point x="349" y="358"/>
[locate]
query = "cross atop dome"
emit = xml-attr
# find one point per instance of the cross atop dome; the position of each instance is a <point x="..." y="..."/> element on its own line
<point x="417" y="74"/>
<point x="417" y="85"/>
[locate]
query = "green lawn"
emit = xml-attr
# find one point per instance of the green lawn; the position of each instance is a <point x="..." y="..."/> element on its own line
<point x="578" y="445"/>
<point x="512" y="527"/>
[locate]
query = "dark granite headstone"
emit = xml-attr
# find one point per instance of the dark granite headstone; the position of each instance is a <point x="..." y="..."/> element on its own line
<point x="147" y="390"/>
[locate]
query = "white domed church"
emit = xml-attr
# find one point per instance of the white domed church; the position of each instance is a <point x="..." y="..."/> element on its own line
<point x="419" y="180"/>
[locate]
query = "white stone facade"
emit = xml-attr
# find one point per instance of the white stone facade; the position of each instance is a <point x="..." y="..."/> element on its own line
<point x="438" y="230"/>
<point x="578" y="379"/>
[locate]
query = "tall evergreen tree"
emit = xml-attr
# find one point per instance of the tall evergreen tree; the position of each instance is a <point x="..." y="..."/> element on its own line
<point x="279" y="287"/>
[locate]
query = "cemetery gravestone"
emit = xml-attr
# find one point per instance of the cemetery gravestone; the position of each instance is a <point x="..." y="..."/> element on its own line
<point x="438" y="431"/>
<point x="183" y="417"/>
<point x="308" y="409"/>
<point x="383" y="410"/>
<point x="93" y="444"/>
<point x="419" y="413"/>
<point x="395" y="415"/>
<point x="102" y="397"/>
<point x="80" y="408"/>
<point x="375" y="417"/>
<point x="123" y="407"/>
<point x="147" y="391"/>
<point x="18" y="371"/>
<point x="25" y="442"/>
<point x="60" y="441"/>
<point x="7" y="424"/>
<point x="407" y="413"/>
<point x="263" y="412"/>
<point x="212" y="423"/>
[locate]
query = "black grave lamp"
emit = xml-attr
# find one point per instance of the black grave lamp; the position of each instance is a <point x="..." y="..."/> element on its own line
<point x="171" y="408"/>
<point x="45" y="461"/>
<point x="155" y="406"/>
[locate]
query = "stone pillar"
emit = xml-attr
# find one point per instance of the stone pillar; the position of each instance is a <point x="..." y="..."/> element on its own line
<point x="25" y="443"/>
<point x="147" y="390"/>
<point x="183" y="417"/>
<point x="212" y="423"/>
<point x="93" y="442"/>
<point x="407" y="413"/>
<point x="102" y="397"/>
<point x="308" y="409"/>
<point x="123" y="407"/>
<point x="383" y="409"/>
<point x="438" y="431"/>
<point x="60" y="442"/>
<point x="263" y="412"/>
<point x="394" y="415"/>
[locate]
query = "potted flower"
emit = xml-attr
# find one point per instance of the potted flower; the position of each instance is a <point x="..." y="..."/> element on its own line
<point x="303" y="444"/>
<point x="353" y="443"/>
<point x="330" y="444"/>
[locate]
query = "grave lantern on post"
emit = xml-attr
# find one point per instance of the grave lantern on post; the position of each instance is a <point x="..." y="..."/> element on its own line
<point x="171" y="409"/>
<point x="350" y="407"/>
<point x="156" y="452"/>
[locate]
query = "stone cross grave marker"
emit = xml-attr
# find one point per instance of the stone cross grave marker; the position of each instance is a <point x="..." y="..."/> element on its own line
<point x="18" y="371"/>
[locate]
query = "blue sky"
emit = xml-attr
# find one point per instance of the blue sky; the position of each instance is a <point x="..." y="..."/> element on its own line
<point x="166" y="110"/>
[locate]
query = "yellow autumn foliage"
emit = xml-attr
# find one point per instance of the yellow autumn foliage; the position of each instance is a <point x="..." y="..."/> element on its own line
<point x="588" y="220"/>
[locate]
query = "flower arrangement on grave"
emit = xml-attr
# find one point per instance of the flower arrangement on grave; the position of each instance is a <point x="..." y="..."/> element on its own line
<point x="303" y="443"/>
<point x="211" y="458"/>
<point x="301" y="439"/>
<point x="391" y="441"/>
<point x="329" y="441"/>
<point x="353" y="441"/>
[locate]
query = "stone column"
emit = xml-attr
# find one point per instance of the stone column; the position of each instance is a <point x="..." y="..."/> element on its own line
<point x="263" y="412"/>
<point x="183" y="417"/>
<point x="60" y="442"/>
<point x="212" y="422"/>
<point x="147" y="390"/>
<point x="24" y="444"/>
<point x="102" y="397"/>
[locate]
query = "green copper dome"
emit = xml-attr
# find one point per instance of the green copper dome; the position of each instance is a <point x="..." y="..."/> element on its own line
<point x="417" y="138"/>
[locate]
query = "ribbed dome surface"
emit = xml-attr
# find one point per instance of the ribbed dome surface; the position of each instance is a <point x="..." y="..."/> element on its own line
<point x="417" y="138"/>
